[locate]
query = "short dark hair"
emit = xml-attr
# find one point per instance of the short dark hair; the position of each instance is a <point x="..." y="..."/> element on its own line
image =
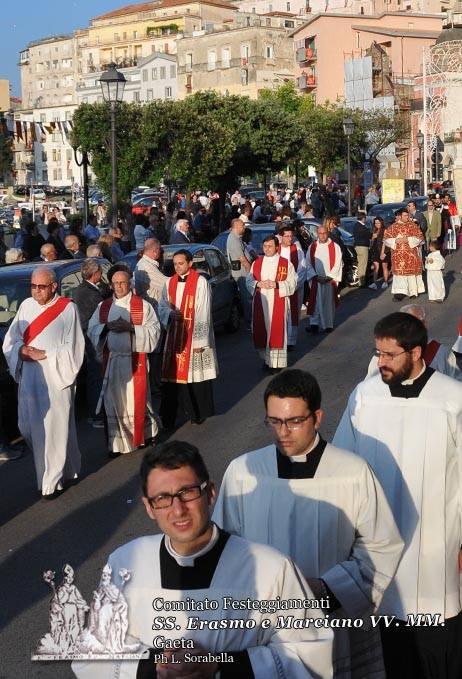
<point x="436" y="244"/>
<point x="187" y="255"/>
<point x="172" y="455"/>
<point x="272" y="237"/>
<point x="286" y="227"/>
<point x="295" y="383"/>
<point x="115" y="268"/>
<point x="407" y="330"/>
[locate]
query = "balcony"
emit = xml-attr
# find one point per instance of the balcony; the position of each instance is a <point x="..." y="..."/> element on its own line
<point x="306" y="82"/>
<point x="305" y="55"/>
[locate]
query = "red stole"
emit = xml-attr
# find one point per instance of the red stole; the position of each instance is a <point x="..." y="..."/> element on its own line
<point x="278" y="319"/>
<point x="430" y="351"/>
<point x="44" y="319"/>
<point x="294" y="312"/>
<point x="138" y="366"/>
<point x="314" y="283"/>
<point x="177" y="355"/>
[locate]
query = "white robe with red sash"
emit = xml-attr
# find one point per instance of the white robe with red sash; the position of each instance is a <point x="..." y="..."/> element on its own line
<point x="294" y="254"/>
<point x="120" y="383"/>
<point x="47" y="388"/>
<point x="194" y="330"/>
<point x="323" y="259"/>
<point x="438" y="356"/>
<point x="274" y="346"/>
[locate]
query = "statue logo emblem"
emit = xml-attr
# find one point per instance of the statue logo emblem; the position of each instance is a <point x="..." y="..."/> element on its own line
<point x="81" y="631"/>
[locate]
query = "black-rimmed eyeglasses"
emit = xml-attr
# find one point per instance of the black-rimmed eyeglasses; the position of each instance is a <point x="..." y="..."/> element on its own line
<point x="184" y="495"/>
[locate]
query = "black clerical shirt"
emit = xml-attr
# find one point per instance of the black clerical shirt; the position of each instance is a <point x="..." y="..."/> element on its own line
<point x="411" y="390"/>
<point x="300" y="470"/>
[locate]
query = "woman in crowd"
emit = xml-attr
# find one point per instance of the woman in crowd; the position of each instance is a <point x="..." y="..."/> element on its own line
<point x="379" y="254"/>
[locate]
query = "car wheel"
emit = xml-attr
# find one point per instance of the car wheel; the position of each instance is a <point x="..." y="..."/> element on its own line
<point x="234" y="319"/>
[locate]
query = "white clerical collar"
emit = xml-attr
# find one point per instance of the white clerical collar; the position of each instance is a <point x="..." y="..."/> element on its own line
<point x="122" y="300"/>
<point x="272" y="258"/>
<point x="302" y="457"/>
<point x="189" y="559"/>
<point x="50" y="303"/>
<point x="411" y="381"/>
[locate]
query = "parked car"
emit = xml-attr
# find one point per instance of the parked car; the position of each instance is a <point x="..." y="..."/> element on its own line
<point x="260" y="231"/>
<point x="210" y="262"/>
<point x="142" y="204"/>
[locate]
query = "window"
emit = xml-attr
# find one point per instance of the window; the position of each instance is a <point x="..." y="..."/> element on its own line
<point x="145" y="75"/>
<point x="269" y="52"/>
<point x="68" y="284"/>
<point x="43" y="117"/>
<point x="288" y="7"/>
<point x="40" y="84"/>
<point x="150" y="95"/>
<point x="68" y="154"/>
<point x="162" y="74"/>
<point x="116" y="36"/>
<point x="44" y="156"/>
<point x="189" y="61"/>
<point x="124" y="35"/>
<point x="168" y="92"/>
<point x="154" y="73"/>
<point x="54" y="64"/>
<point x="225" y="57"/>
<point x="211" y="60"/>
<point x="69" y="115"/>
<point x="357" y="40"/>
<point x="136" y="95"/>
<point x="215" y="262"/>
<point x="54" y="156"/>
<point x="244" y="76"/>
<point x="173" y="71"/>
<point x="135" y="34"/>
<point x="69" y="173"/>
<point x="245" y="53"/>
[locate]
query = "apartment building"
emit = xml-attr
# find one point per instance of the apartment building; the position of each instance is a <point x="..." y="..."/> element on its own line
<point x="326" y="41"/>
<point x="50" y="159"/>
<point x="48" y="72"/>
<point x="126" y="35"/>
<point x="242" y="56"/>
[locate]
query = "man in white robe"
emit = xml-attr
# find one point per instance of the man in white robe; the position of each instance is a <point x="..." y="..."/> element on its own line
<point x="438" y="356"/>
<point x="194" y="561"/>
<point x="123" y="329"/>
<point x="291" y="250"/>
<point x="407" y="424"/>
<point x="323" y="507"/>
<point x="271" y="281"/>
<point x="44" y="349"/>
<point x="149" y="284"/>
<point x="324" y="266"/>
<point x="404" y="238"/>
<point x="189" y="361"/>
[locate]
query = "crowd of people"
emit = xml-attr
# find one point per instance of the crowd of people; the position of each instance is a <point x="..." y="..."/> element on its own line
<point x="369" y="525"/>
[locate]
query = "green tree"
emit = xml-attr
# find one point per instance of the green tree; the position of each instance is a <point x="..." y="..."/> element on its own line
<point x="6" y="154"/>
<point x="92" y="133"/>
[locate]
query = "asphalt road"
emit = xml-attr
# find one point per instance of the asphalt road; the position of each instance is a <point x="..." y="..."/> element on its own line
<point x="86" y="523"/>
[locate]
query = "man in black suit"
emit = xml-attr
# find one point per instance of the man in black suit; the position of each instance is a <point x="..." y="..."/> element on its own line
<point x="180" y="236"/>
<point x="72" y="245"/>
<point x="87" y="296"/>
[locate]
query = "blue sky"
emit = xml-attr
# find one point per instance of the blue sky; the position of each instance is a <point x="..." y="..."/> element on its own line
<point x="34" y="19"/>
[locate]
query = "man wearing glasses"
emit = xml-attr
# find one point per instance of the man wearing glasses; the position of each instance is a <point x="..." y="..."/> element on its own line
<point x="44" y="349"/>
<point x="321" y="506"/>
<point x="198" y="576"/>
<point x="407" y="424"/>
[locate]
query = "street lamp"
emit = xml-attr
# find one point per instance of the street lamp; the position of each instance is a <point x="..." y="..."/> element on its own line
<point x="348" y="129"/>
<point x="420" y="142"/>
<point x="83" y="163"/>
<point x="112" y="86"/>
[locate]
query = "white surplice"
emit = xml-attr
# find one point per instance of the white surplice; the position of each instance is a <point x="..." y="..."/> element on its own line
<point x="444" y="362"/>
<point x="274" y="358"/>
<point x="336" y="526"/>
<point x="244" y="571"/>
<point x="202" y="365"/>
<point x="435" y="281"/>
<point x="292" y="330"/>
<point x="411" y="285"/>
<point x="324" y="312"/>
<point x="117" y="392"/>
<point x="414" y="446"/>
<point x="47" y="391"/>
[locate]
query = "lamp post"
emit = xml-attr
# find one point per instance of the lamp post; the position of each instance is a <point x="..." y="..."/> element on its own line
<point x="112" y="85"/>
<point x="348" y="129"/>
<point x="84" y="163"/>
<point x="420" y="143"/>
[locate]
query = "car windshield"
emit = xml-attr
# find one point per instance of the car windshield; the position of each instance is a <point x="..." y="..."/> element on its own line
<point x="12" y="293"/>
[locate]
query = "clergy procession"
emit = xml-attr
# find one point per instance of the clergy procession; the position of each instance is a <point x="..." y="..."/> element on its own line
<point x="300" y="493"/>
